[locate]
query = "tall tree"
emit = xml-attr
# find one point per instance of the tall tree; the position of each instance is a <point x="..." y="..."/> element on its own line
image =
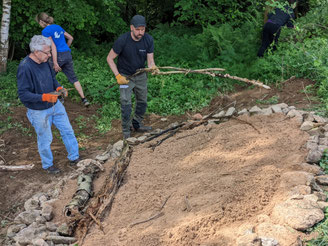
<point x="4" y="42"/>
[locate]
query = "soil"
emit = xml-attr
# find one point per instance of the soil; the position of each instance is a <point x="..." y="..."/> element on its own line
<point x="213" y="178"/>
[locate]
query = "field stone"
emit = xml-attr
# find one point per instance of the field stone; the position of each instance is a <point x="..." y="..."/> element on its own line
<point x="314" y="156"/>
<point x="230" y="111"/>
<point x="64" y="230"/>
<point x="28" y="234"/>
<point x="51" y="226"/>
<point x="142" y="138"/>
<point x="322" y="179"/>
<point x="61" y="239"/>
<point x="322" y="205"/>
<point x="307" y="125"/>
<point x="269" y="241"/>
<point x="47" y="212"/>
<point x="319" y="119"/>
<point x="298" y="214"/>
<point x="244" y="111"/>
<point x="266" y="111"/>
<point x="323" y="141"/>
<point x="174" y="124"/>
<point x="32" y="204"/>
<point x="27" y="217"/>
<point x="103" y="157"/>
<point x="310" y="168"/>
<point x="14" y="229"/>
<point x="309" y="117"/>
<point x="219" y="115"/>
<point x="285" y="110"/>
<point x="197" y="116"/>
<point x="255" y="110"/>
<point x="276" y="109"/>
<point x="39" y="242"/>
<point x="322" y="197"/>
<point x="311" y="145"/>
<point x="318" y="131"/>
<point x="281" y="105"/>
<point x="293" y="112"/>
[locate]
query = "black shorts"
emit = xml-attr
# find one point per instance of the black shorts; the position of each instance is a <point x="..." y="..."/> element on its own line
<point x="65" y="62"/>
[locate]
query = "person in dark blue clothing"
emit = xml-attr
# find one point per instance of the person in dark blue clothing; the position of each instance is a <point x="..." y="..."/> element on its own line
<point x="133" y="49"/>
<point x="271" y="30"/>
<point x="61" y="52"/>
<point x="35" y="83"/>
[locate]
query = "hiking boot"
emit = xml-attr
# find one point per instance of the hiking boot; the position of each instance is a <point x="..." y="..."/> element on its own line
<point x="126" y="135"/>
<point x="85" y="102"/>
<point x="143" y="128"/>
<point x="74" y="163"/>
<point x="53" y="170"/>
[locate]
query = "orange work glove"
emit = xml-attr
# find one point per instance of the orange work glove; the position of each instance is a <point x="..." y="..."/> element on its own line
<point x="121" y="80"/>
<point x="48" y="97"/>
<point x="62" y="90"/>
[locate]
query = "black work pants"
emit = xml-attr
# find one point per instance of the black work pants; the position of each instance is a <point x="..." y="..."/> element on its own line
<point x="271" y="32"/>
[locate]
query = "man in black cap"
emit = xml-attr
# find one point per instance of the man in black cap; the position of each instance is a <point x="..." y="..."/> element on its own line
<point x="133" y="49"/>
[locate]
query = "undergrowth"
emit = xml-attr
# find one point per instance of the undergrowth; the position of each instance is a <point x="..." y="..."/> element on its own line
<point x="301" y="54"/>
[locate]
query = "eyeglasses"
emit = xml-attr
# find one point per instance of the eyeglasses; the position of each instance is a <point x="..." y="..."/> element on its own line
<point x="46" y="53"/>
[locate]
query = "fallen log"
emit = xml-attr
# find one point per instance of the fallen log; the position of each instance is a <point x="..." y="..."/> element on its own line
<point x="16" y="168"/>
<point x="102" y="201"/>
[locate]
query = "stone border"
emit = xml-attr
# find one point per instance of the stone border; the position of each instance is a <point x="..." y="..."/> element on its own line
<point x="34" y="226"/>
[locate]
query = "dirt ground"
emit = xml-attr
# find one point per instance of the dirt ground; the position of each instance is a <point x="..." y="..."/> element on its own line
<point x="214" y="177"/>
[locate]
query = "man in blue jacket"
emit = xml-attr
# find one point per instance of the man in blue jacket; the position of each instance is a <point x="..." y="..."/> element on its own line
<point x="271" y="30"/>
<point x="35" y="82"/>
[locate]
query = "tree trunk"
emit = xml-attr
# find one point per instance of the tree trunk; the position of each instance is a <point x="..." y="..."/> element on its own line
<point x="4" y="42"/>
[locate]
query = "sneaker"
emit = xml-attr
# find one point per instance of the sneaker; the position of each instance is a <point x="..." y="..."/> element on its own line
<point x="74" y="163"/>
<point x="85" y="102"/>
<point x="53" y="170"/>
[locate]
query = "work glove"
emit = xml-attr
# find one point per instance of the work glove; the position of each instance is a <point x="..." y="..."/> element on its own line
<point x="154" y="69"/>
<point x="121" y="80"/>
<point x="62" y="91"/>
<point x="48" y="97"/>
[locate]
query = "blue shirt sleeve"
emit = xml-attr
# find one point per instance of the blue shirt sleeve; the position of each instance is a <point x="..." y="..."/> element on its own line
<point x="25" y="87"/>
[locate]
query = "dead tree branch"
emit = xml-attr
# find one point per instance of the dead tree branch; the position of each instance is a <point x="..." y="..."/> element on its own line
<point x="16" y="168"/>
<point x="155" y="216"/>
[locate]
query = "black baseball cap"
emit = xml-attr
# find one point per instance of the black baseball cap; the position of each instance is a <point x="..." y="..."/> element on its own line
<point x="138" y="20"/>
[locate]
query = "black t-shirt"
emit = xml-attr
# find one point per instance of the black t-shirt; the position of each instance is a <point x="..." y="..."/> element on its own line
<point x="132" y="55"/>
<point x="282" y="17"/>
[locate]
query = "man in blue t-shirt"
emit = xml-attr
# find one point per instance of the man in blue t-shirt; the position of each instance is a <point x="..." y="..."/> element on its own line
<point x="133" y="49"/>
<point x="36" y="82"/>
